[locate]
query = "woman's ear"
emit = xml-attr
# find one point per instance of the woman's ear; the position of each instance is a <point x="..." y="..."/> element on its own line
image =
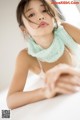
<point x="23" y="29"/>
<point x="25" y="32"/>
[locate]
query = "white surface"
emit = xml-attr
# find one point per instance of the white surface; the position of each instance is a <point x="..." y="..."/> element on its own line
<point x="11" y="40"/>
<point x="58" y="108"/>
<point x="64" y="107"/>
<point x="70" y="12"/>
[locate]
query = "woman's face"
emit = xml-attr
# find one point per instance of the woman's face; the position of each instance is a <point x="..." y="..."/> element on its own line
<point x="37" y="13"/>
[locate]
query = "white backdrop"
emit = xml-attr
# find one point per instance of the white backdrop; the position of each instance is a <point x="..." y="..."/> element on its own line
<point x="11" y="40"/>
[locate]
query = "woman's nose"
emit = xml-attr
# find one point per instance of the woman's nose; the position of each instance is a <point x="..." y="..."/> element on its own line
<point x="41" y="17"/>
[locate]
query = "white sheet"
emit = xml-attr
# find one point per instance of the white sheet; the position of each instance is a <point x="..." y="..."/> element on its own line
<point x="64" y="107"/>
<point x="59" y="108"/>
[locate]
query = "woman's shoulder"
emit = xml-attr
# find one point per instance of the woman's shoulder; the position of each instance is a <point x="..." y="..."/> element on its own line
<point x="65" y="24"/>
<point x="23" y="58"/>
<point x="72" y="30"/>
<point x="23" y="54"/>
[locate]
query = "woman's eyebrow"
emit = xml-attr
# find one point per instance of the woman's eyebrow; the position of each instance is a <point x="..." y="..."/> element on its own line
<point x="42" y="5"/>
<point x="32" y="8"/>
<point x="28" y="10"/>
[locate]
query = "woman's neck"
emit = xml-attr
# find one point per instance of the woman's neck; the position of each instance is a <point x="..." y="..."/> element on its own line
<point x="44" y="41"/>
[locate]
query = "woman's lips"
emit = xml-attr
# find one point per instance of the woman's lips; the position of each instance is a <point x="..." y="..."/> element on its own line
<point x="43" y="24"/>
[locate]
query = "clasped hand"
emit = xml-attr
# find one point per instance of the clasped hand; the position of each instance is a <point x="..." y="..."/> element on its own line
<point x="62" y="79"/>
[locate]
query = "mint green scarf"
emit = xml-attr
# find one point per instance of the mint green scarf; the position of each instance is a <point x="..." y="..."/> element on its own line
<point x="56" y="49"/>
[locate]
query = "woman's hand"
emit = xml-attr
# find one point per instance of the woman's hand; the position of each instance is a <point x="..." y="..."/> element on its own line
<point x="62" y="79"/>
<point x="53" y="74"/>
<point x="66" y="84"/>
<point x="49" y="93"/>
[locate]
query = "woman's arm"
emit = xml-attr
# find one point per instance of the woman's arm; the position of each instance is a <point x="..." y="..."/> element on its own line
<point x="73" y="31"/>
<point x="16" y="97"/>
<point x="20" y="98"/>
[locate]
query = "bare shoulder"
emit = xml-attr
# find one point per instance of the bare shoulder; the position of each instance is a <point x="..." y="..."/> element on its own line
<point x="23" y="58"/>
<point x="72" y="30"/>
<point x="23" y="54"/>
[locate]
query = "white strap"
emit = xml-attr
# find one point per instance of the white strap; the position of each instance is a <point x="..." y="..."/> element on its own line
<point x="41" y="67"/>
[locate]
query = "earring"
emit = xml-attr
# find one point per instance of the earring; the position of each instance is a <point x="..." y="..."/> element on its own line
<point x="55" y="24"/>
<point x="24" y="32"/>
<point x="29" y="36"/>
<point x="26" y="35"/>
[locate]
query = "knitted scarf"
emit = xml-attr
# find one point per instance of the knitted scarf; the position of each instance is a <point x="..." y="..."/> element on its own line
<point x="56" y="49"/>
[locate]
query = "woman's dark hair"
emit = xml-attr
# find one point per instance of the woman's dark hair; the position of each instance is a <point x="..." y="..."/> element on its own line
<point x="24" y="3"/>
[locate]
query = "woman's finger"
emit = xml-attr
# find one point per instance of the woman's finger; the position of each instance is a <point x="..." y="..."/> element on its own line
<point x="69" y="87"/>
<point x="55" y="73"/>
<point x="69" y="70"/>
<point x="74" y="80"/>
<point x="60" y="90"/>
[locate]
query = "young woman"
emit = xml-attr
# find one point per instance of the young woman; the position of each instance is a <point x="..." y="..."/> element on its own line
<point x="50" y="45"/>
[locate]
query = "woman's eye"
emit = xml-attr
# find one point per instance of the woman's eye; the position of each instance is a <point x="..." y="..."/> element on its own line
<point x="31" y="15"/>
<point x="44" y="10"/>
